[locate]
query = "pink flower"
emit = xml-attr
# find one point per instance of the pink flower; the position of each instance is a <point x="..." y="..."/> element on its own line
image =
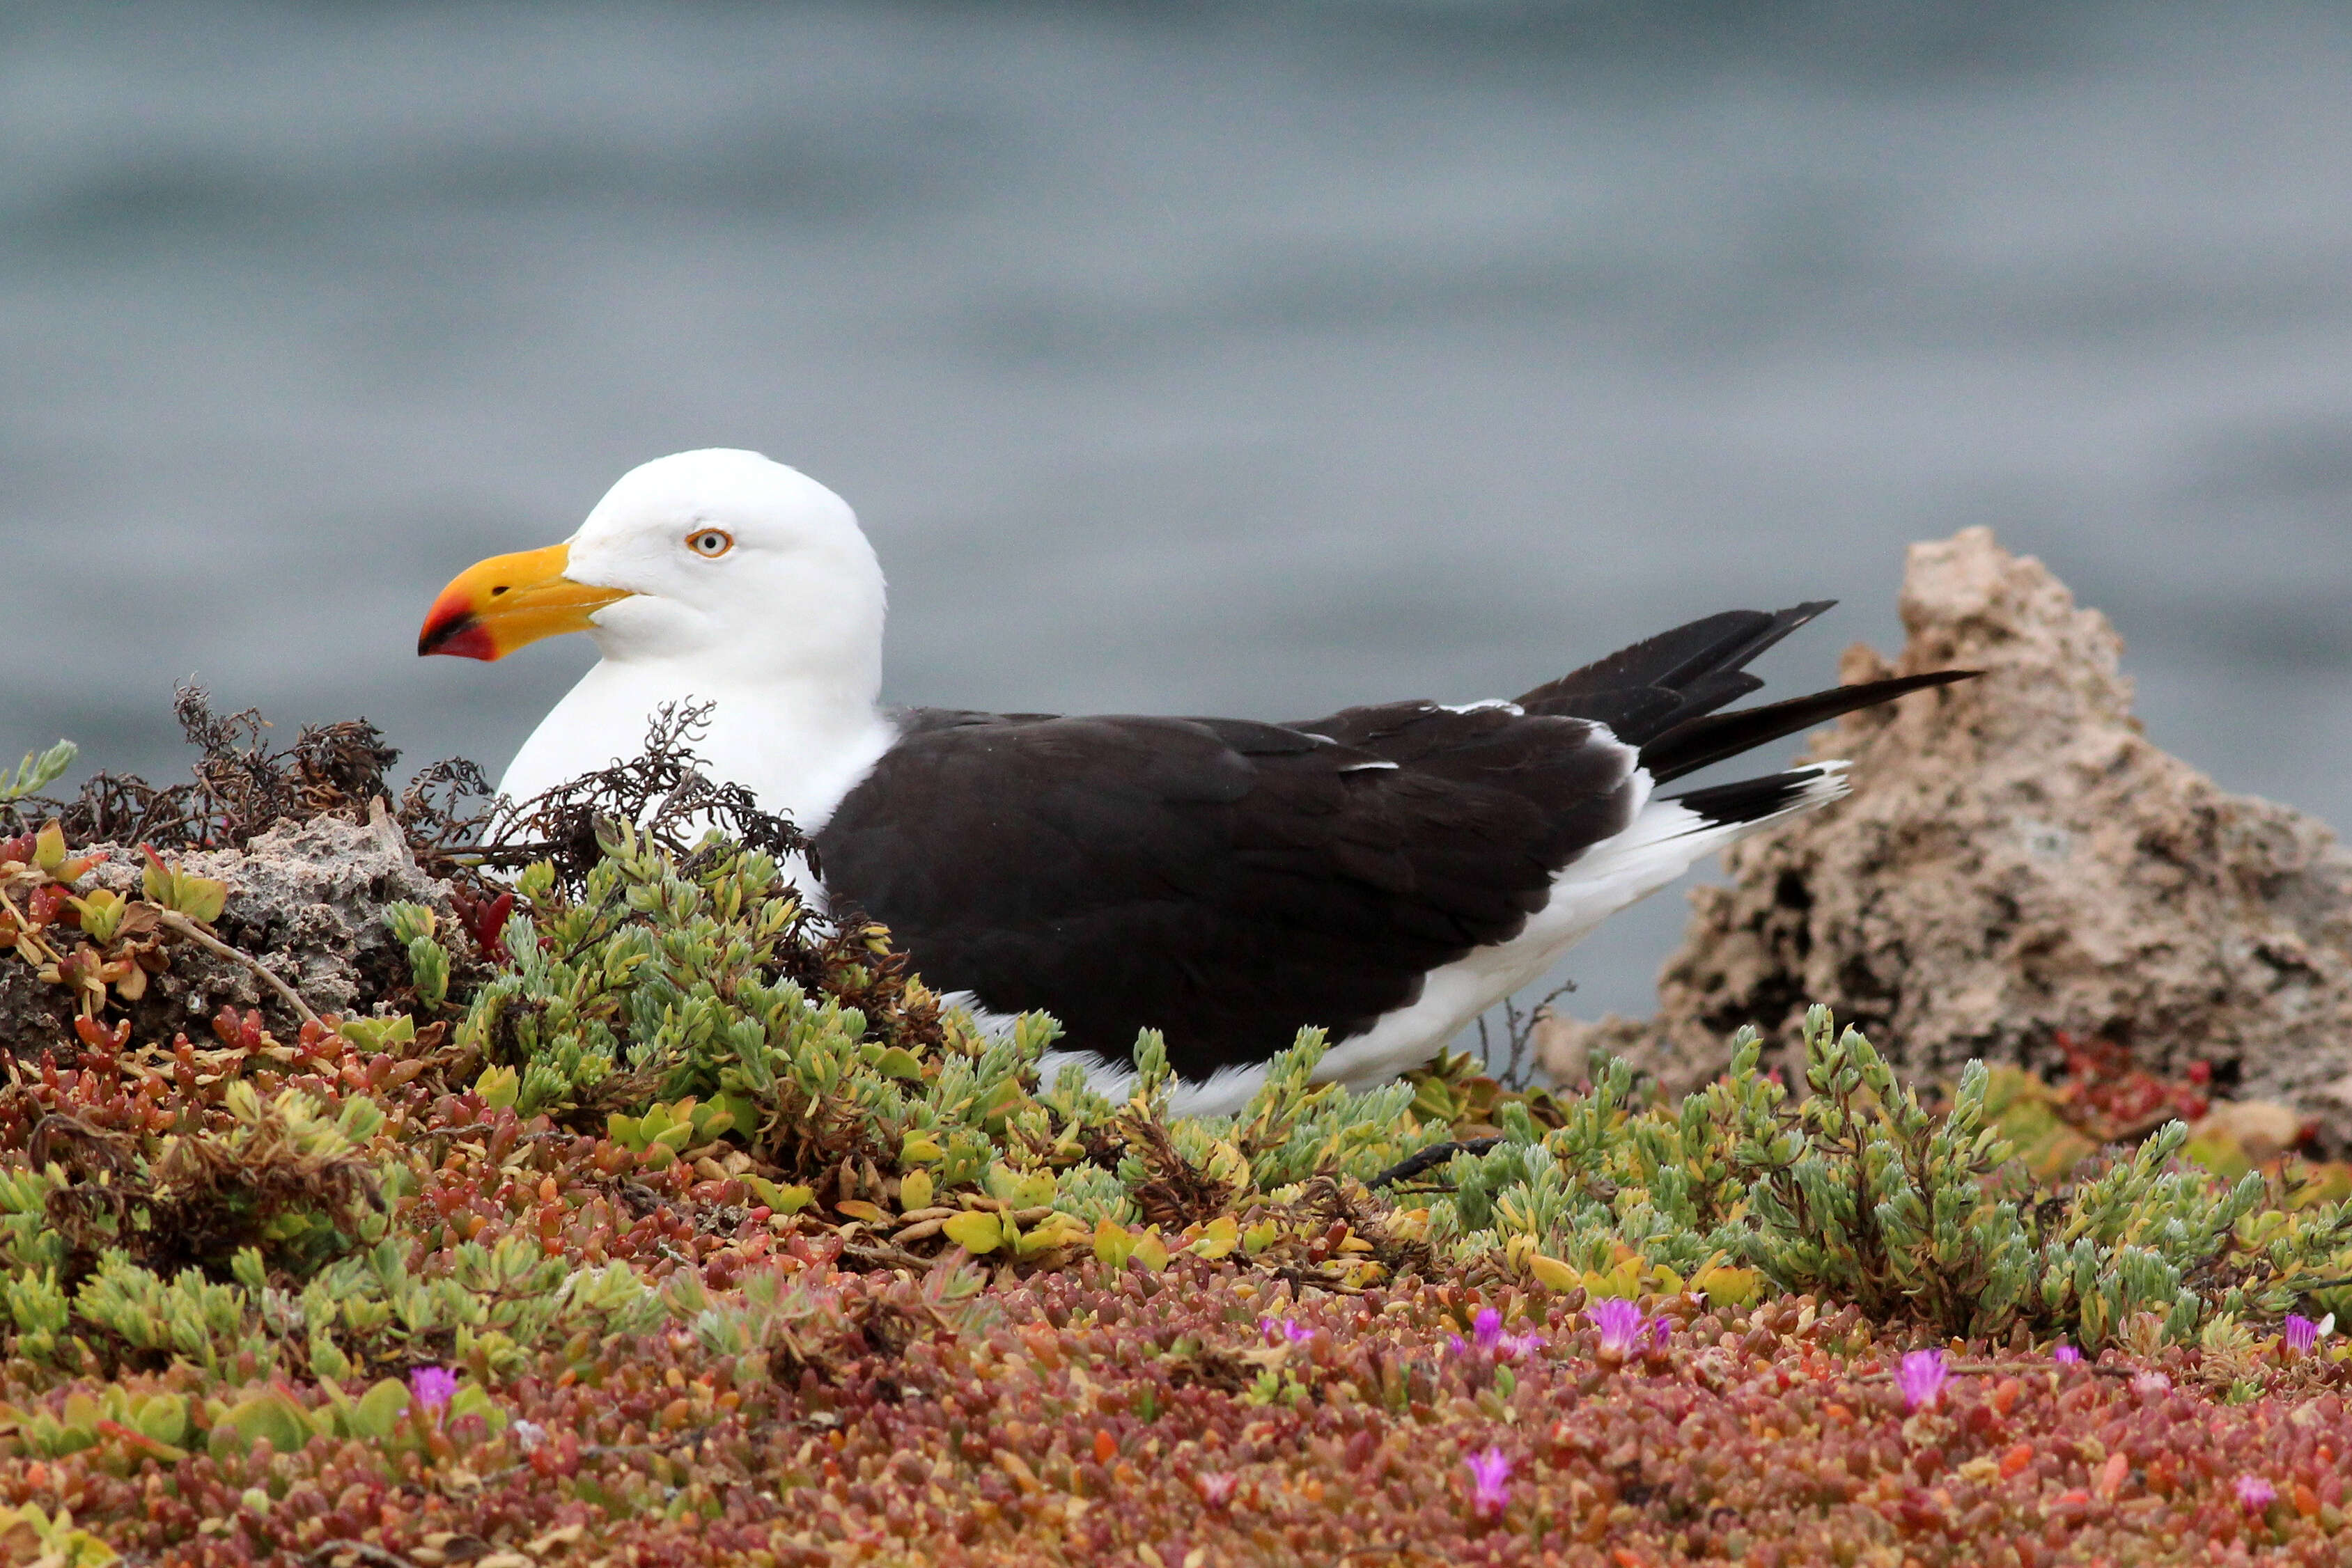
<point x="1284" y="1329"/>
<point x="1490" y="1478"/>
<point x="1216" y="1489"/>
<point x="2255" y="1494"/>
<point x="432" y="1385"/>
<point x="2066" y="1355"/>
<point x="2302" y="1334"/>
<point x="1620" y="1324"/>
<point x="1921" y="1377"/>
<point x="1487" y="1334"/>
<point x="2151" y="1384"/>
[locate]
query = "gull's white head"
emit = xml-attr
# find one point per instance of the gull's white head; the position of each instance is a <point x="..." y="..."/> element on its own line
<point x="721" y="561"/>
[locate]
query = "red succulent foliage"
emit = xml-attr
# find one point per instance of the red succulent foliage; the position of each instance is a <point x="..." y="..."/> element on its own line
<point x="817" y="1399"/>
<point x="2108" y="1095"/>
<point x="1096" y="1416"/>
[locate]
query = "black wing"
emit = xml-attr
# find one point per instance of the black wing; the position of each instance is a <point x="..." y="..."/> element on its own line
<point x="1662" y="693"/>
<point x="1223" y="882"/>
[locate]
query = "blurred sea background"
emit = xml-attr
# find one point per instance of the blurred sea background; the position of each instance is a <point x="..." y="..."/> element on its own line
<point x="1207" y="357"/>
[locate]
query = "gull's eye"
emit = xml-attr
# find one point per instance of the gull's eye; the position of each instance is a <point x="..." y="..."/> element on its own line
<point x="710" y="543"/>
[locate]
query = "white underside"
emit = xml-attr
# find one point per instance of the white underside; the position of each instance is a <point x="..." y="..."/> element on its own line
<point x="1664" y="840"/>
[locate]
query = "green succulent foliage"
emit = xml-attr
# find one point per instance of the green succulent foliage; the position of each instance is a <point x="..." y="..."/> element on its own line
<point x="680" y="1125"/>
<point x="1862" y="1195"/>
<point x="674" y="974"/>
<point x="416" y="927"/>
<point x="37" y="772"/>
<point x="159" y="1418"/>
<point x="496" y="1305"/>
<point x="1859" y="1194"/>
<point x="1610" y="1178"/>
<point x="677" y="974"/>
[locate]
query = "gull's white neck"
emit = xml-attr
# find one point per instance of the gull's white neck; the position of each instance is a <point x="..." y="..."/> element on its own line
<point x="799" y="744"/>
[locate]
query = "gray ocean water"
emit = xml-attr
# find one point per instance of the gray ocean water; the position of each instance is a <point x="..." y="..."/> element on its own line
<point x="1184" y="357"/>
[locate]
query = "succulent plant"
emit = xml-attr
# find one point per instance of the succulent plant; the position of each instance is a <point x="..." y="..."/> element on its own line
<point x="698" y="1229"/>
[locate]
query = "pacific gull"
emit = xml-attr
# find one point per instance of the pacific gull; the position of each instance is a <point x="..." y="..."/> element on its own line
<point x="1387" y="873"/>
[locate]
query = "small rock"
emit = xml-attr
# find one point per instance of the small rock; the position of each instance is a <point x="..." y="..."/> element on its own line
<point x="306" y="900"/>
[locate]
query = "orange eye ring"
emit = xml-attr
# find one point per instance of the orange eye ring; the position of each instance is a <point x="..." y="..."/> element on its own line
<point x="710" y="543"/>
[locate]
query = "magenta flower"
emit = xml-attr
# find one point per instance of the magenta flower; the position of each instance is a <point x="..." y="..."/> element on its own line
<point x="1921" y="1377"/>
<point x="2255" y="1494"/>
<point x="432" y="1385"/>
<point x="1490" y="1478"/>
<point x="1620" y="1324"/>
<point x="2302" y="1334"/>
<point x="2066" y="1355"/>
<point x="1487" y="1334"/>
<point x="1284" y="1329"/>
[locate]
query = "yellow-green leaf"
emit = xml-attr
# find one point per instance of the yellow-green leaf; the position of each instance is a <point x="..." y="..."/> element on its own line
<point x="498" y="1086"/>
<point x="379" y="1409"/>
<point x="898" y="1061"/>
<point x="1215" y="1239"/>
<point x="1113" y="1243"/>
<point x="1725" y="1287"/>
<point x="271" y="1415"/>
<point x="1551" y="1273"/>
<point x="915" y="1189"/>
<point x="782" y="1199"/>
<point x="164" y="1417"/>
<point x="199" y="897"/>
<point x="977" y="1232"/>
<point x="1055" y="1231"/>
<point x="101" y="913"/>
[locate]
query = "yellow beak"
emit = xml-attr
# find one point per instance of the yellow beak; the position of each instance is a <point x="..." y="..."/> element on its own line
<point x="496" y="606"/>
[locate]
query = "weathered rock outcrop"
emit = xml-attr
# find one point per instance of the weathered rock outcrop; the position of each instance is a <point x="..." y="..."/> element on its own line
<point x="2017" y="861"/>
<point x="304" y="899"/>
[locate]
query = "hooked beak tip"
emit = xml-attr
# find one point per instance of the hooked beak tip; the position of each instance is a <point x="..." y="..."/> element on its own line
<point x="461" y="635"/>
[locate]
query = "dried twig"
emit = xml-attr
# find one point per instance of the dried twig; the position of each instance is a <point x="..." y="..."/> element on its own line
<point x="361" y="1549"/>
<point x="1519" y="1034"/>
<point x="173" y="920"/>
<point x="1413" y="1164"/>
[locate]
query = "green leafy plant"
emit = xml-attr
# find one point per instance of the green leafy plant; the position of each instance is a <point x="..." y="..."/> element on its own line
<point x="38" y="771"/>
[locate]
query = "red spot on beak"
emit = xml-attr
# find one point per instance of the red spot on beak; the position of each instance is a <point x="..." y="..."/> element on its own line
<point x="453" y="628"/>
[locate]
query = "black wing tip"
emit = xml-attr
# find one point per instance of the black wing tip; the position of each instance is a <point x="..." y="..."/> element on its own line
<point x="1921" y="682"/>
<point x="1755" y="799"/>
<point x="1713" y="738"/>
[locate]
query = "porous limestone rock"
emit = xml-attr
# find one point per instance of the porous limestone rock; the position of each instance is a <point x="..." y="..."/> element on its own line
<point x="2017" y="860"/>
<point x="306" y="899"/>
